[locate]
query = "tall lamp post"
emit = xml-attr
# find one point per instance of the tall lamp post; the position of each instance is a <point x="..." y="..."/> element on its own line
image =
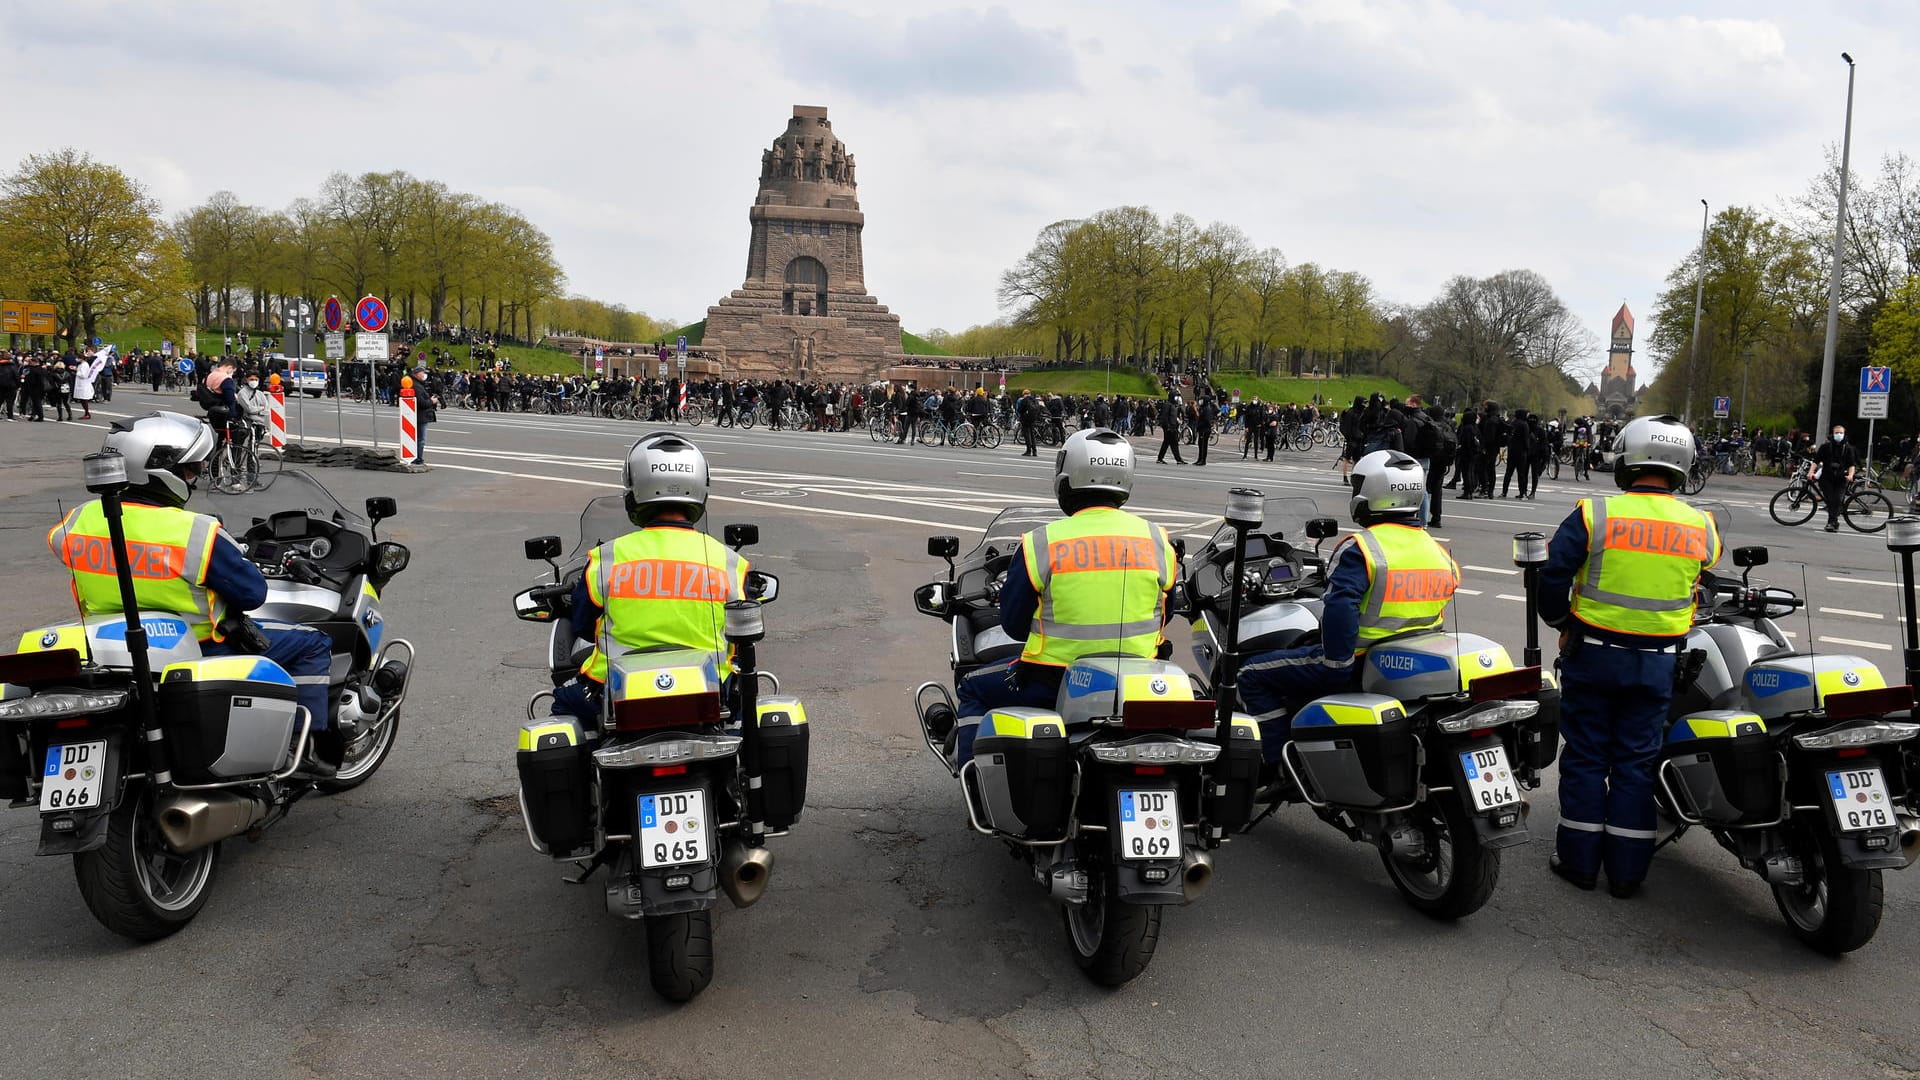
<point x="1699" y="291"/>
<point x="1833" y="286"/>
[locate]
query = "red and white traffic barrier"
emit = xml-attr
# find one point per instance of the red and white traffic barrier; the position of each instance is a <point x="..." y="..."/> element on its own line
<point x="276" y="414"/>
<point x="409" y="423"/>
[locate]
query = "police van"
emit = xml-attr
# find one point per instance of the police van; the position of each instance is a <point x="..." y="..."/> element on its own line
<point x="309" y="375"/>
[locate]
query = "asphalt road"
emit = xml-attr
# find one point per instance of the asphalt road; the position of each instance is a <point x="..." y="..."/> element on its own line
<point x="407" y="929"/>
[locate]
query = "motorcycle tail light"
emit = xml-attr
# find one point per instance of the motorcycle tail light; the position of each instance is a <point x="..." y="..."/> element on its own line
<point x="670" y="770"/>
<point x="1149" y="770"/>
<point x="1857" y="751"/>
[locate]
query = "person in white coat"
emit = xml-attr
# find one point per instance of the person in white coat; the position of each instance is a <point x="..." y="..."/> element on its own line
<point x="85" y="372"/>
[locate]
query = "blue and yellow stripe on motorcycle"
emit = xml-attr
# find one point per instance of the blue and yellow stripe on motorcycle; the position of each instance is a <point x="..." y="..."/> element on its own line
<point x="1022" y="724"/>
<point x="1155" y="687"/>
<point x="1349" y="710"/>
<point x="647" y="676"/>
<point x="549" y="734"/>
<point x="1724" y="724"/>
<point x="227" y="669"/>
<point x="782" y="711"/>
<point x="50" y="638"/>
<point x="1244" y="727"/>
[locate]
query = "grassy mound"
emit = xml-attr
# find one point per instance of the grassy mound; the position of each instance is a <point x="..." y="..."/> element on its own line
<point x="1340" y="392"/>
<point x="1087" y="382"/>
<point x="914" y="345"/>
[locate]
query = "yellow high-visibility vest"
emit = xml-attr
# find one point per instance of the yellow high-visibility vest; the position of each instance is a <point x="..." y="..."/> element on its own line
<point x="663" y="586"/>
<point x="1645" y="550"/>
<point x="1410" y="580"/>
<point x="1102" y="576"/>
<point x="168" y="551"/>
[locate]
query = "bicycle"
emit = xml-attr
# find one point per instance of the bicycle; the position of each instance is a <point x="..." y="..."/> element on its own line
<point x="235" y="463"/>
<point x="1865" y="510"/>
<point x="1697" y="475"/>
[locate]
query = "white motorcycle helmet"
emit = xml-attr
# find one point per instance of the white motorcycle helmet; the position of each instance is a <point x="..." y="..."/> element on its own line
<point x="665" y="471"/>
<point x="165" y="452"/>
<point x="1094" y="467"/>
<point x="1387" y="486"/>
<point x="1659" y="444"/>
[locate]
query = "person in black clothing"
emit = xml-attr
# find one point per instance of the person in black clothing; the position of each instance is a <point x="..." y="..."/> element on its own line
<point x="1027" y="411"/>
<point x="9" y="382"/>
<point x="1493" y="436"/>
<point x="33" y="390"/>
<point x="912" y="409"/>
<point x="1833" y="466"/>
<point x="1439" y="455"/>
<point x="1466" y="461"/>
<point x="1170" y="429"/>
<point x="1519" y="442"/>
<point x="1202" y="427"/>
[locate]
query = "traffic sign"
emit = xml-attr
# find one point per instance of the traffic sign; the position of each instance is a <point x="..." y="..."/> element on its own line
<point x="663" y="369"/>
<point x="1876" y="380"/>
<point x="166" y="346"/>
<point x="370" y="314"/>
<point x="332" y="315"/>
<point x="27" y="317"/>
<point x="682" y="347"/>
<point x="1722" y="408"/>
<point x="370" y="346"/>
<point x="1873" y="406"/>
<point x="336" y="345"/>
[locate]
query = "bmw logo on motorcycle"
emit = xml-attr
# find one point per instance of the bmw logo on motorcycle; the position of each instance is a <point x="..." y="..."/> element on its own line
<point x="1158" y="686"/>
<point x="663" y="681"/>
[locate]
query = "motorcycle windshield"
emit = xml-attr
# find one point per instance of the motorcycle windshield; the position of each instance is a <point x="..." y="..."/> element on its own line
<point x="1009" y="525"/>
<point x="1720" y="513"/>
<point x="1282" y="516"/>
<point x="293" y="489"/>
<point x="604" y="519"/>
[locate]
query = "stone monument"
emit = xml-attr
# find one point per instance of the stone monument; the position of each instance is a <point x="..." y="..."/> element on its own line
<point x="1615" y="397"/>
<point x="804" y="311"/>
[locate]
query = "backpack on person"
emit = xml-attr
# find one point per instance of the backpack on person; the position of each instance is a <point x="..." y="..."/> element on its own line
<point x="1446" y="442"/>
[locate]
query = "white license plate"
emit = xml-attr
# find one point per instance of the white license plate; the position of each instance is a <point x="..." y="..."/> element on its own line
<point x="1150" y="825"/>
<point x="1490" y="782"/>
<point x="73" y="776"/>
<point x="1860" y="799"/>
<point x="673" y="829"/>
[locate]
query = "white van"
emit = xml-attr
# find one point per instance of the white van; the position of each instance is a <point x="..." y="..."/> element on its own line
<point x="309" y="375"/>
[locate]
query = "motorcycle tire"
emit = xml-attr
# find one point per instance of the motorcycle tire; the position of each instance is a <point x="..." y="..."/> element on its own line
<point x="680" y="954"/>
<point x="1793" y="506"/>
<point x="133" y="884"/>
<point x="1457" y="875"/>
<point x="362" y="762"/>
<point x="1112" y="941"/>
<point x="1837" y="909"/>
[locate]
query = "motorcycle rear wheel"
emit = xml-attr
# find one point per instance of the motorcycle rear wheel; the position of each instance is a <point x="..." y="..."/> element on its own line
<point x="363" y="758"/>
<point x="133" y="884"/>
<point x="680" y="953"/>
<point x="1837" y="910"/>
<point x="1112" y="941"/>
<point x="1457" y="874"/>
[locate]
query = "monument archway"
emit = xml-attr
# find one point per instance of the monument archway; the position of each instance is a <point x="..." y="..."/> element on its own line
<point x="806" y="292"/>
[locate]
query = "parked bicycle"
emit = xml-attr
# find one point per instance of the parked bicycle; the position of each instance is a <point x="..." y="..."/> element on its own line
<point x="1865" y="510"/>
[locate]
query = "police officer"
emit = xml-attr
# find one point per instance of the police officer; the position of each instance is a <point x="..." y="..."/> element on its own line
<point x="207" y="580"/>
<point x="636" y="593"/>
<point x="1619" y="585"/>
<point x="1388" y="578"/>
<point x="1095" y="581"/>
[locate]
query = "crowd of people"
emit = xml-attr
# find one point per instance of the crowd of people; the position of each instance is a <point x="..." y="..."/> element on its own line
<point x="34" y="381"/>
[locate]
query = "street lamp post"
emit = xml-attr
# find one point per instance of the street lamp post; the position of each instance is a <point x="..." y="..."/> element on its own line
<point x="1833" y="285"/>
<point x="1699" y="291"/>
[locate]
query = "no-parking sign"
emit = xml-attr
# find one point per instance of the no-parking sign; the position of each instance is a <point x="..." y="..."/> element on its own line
<point x="370" y="314"/>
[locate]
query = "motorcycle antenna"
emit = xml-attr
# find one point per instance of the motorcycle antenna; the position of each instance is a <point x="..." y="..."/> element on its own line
<point x="1806" y="606"/>
<point x="1246" y="509"/>
<point x="86" y="642"/>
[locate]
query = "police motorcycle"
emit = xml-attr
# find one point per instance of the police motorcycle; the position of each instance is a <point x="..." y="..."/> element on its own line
<point x="142" y="755"/>
<point x="671" y="792"/>
<point x="1116" y="796"/>
<point x="1802" y="765"/>
<point x="1428" y="759"/>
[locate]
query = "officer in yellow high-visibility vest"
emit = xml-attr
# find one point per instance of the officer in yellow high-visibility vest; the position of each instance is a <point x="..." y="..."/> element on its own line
<point x="1619" y="584"/>
<point x="1095" y="581"/>
<point x="667" y="583"/>
<point x="1388" y="578"/>
<point x="185" y="564"/>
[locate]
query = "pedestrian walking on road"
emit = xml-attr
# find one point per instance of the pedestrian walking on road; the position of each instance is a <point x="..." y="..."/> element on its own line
<point x="1833" y="467"/>
<point x="1519" y="442"/>
<point x="1170" y="429"/>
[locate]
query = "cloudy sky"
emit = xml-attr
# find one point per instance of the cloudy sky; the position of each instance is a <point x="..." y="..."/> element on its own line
<point x="1408" y="140"/>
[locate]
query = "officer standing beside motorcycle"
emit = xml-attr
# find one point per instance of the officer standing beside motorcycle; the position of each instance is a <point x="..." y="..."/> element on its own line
<point x="1095" y="581"/>
<point x="189" y="566"/>
<point x="1619" y="585"/>
<point x="637" y="592"/>
<point x="1388" y="578"/>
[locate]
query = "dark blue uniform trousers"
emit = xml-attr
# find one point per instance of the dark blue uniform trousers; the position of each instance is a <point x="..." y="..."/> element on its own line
<point x="1274" y="685"/>
<point x="305" y="653"/>
<point x="1613" y="713"/>
<point x="1000" y="686"/>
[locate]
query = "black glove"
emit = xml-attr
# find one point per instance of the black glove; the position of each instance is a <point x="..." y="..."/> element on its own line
<point x="243" y="635"/>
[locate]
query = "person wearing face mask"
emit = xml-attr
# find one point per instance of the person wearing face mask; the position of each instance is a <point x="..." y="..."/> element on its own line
<point x="1833" y="467"/>
<point x="254" y="402"/>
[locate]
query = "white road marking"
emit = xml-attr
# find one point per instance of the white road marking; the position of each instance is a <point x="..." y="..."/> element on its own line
<point x="1502" y="570"/>
<point x="1469" y="592"/>
<point x="1855" y="643"/>
<point x="1850" y="611"/>
<point x="1510" y="596"/>
<point x="1863" y="581"/>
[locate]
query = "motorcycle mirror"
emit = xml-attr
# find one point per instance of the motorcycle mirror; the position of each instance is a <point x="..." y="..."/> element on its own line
<point x="1321" y="528"/>
<point x="762" y="587"/>
<point x="931" y="599"/>
<point x="1749" y="557"/>
<point x="943" y="547"/>
<point x="543" y="547"/>
<point x="739" y="536"/>
<point x="1180" y="548"/>
<point x="528" y="609"/>
<point x="380" y="508"/>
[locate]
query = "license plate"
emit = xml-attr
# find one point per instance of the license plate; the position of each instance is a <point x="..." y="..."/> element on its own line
<point x="1860" y="799"/>
<point x="73" y="776"/>
<point x="1490" y="783"/>
<point x="1150" y="825"/>
<point x="673" y="829"/>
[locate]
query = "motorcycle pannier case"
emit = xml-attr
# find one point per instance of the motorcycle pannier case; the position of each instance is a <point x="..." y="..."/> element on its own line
<point x="227" y="718"/>
<point x="555" y="789"/>
<point x="783" y="759"/>
<point x="1100" y="686"/>
<point x="1024" y="773"/>
<point x="1356" y="750"/>
<point x="1790" y="685"/>
<point x="1723" y="768"/>
<point x="1430" y="664"/>
<point x="1234" y="776"/>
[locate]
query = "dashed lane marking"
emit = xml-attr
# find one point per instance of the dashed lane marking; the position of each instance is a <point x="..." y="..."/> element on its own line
<point x="1502" y="570"/>
<point x="1854" y="642"/>
<point x="1850" y="611"/>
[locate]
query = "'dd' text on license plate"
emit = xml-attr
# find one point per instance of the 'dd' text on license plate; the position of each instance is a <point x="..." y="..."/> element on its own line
<point x="73" y="776"/>
<point x="673" y="829"/>
<point x="1150" y="825"/>
<point x="1860" y="799"/>
<point x="1489" y="779"/>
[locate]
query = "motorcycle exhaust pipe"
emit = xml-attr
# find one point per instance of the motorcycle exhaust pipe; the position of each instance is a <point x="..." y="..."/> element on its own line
<point x="1196" y="873"/>
<point x="1909" y="837"/>
<point x="191" y="820"/>
<point x="745" y="872"/>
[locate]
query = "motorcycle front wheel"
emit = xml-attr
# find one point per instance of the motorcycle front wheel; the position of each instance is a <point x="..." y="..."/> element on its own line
<point x="1112" y="940"/>
<point x="134" y="884"/>
<point x="1456" y="874"/>
<point x="680" y="953"/>
<point x="364" y="756"/>
<point x="1835" y="909"/>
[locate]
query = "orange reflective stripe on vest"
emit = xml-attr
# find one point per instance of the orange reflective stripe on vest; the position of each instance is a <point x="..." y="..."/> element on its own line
<point x="168" y="551"/>
<point x="667" y="579"/>
<point x="1088" y="553"/>
<point x="1653" y="536"/>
